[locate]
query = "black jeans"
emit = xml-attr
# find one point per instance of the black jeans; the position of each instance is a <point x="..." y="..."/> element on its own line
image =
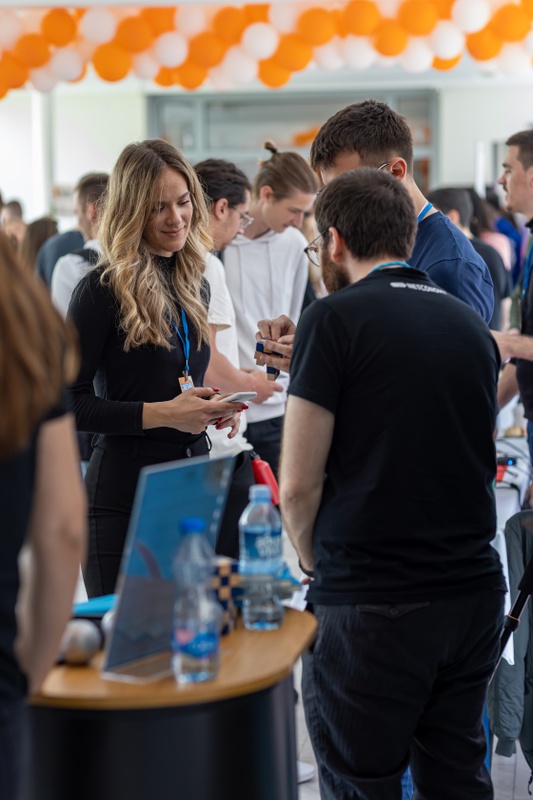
<point x="14" y="749"/>
<point x="385" y="686"/>
<point x="265" y="437"/>
<point x="111" y="480"/>
<point x="239" y="489"/>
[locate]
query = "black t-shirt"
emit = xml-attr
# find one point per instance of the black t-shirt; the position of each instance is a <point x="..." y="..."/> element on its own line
<point x="524" y="368"/>
<point x="17" y="476"/>
<point x="501" y="278"/>
<point x="410" y="373"/>
<point x="124" y="380"/>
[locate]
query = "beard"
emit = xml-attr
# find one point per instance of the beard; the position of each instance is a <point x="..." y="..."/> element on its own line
<point x="334" y="275"/>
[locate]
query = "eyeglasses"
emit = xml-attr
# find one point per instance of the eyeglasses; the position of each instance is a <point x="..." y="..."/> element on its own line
<point x="246" y="219"/>
<point x="311" y="251"/>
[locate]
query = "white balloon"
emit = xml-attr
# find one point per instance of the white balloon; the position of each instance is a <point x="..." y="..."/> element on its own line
<point x="145" y="66"/>
<point x="85" y="49"/>
<point x="260" y="40"/>
<point x="357" y="52"/>
<point x="42" y="79"/>
<point x="10" y="29"/>
<point x="98" y="25"/>
<point x="471" y="15"/>
<point x="446" y="40"/>
<point x="327" y="56"/>
<point x="528" y="43"/>
<point x="170" y="49"/>
<point x="66" y="63"/>
<point x="190" y="20"/>
<point x="238" y="67"/>
<point x="283" y="17"/>
<point x="31" y="21"/>
<point x="417" y="56"/>
<point x="386" y="61"/>
<point x="514" y="60"/>
<point x="219" y="81"/>
<point x="388" y="8"/>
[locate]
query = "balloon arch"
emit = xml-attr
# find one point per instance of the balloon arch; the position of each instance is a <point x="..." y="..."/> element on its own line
<point x="228" y="46"/>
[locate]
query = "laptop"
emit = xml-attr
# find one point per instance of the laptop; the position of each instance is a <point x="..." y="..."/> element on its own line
<point x="138" y="646"/>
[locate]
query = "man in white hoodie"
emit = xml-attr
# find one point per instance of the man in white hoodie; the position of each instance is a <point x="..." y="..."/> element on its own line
<point x="266" y="273"/>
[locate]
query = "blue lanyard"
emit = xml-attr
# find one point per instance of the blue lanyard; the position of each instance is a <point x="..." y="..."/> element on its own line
<point x="427" y="208"/>
<point x="185" y="342"/>
<point x="527" y="272"/>
<point x="391" y="264"/>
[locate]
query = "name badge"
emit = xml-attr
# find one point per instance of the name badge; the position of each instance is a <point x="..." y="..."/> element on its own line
<point x="186" y="383"/>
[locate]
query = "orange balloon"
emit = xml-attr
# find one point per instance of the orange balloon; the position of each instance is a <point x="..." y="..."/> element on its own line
<point x="160" y="19"/>
<point x="418" y="17"/>
<point x="79" y="12"/>
<point x="272" y="74"/>
<point x="293" y="53"/>
<point x="13" y="74"/>
<point x="484" y="44"/>
<point x="165" y="77"/>
<point x="527" y="5"/>
<point x="317" y="26"/>
<point x="257" y="13"/>
<point x="190" y="75"/>
<point x="444" y="64"/>
<point x="390" y="39"/>
<point x="134" y="34"/>
<point x="3" y="92"/>
<point x="511" y="23"/>
<point x="33" y="50"/>
<point x="337" y="15"/>
<point x="58" y="26"/>
<point x="207" y="49"/>
<point x="360" y="17"/>
<point x="230" y="23"/>
<point x="444" y="8"/>
<point x="111" y="63"/>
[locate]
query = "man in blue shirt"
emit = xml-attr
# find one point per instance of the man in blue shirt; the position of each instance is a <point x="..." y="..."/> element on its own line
<point x="370" y="134"/>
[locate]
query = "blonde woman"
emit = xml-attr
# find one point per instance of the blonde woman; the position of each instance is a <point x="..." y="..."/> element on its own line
<point x="142" y="323"/>
<point x="41" y="499"/>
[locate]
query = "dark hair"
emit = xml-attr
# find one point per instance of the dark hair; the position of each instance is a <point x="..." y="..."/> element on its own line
<point x="285" y="173"/>
<point x="369" y="128"/>
<point x="524" y="141"/>
<point x="15" y="207"/>
<point x="91" y="187"/>
<point x="372" y="211"/>
<point x="222" y="179"/>
<point x="452" y="199"/>
<point x="35" y="235"/>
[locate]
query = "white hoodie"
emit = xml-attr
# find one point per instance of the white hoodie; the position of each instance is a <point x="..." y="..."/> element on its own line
<point x="266" y="277"/>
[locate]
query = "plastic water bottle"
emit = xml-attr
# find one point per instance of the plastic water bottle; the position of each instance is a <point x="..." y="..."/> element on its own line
<point x="260" y="560"/>
<point x="197" y="612"/>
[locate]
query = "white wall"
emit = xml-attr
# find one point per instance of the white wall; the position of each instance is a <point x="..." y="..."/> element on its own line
<point x="479" y="113"/>
<point x="89" y="129"/>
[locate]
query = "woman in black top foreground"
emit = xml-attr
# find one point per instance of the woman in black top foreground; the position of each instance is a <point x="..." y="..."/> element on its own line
<point x="41" y="501"/>
<point x="142" y="323"/>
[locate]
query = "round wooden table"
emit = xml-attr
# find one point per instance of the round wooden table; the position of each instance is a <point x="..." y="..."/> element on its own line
<point x="231" y="738"/>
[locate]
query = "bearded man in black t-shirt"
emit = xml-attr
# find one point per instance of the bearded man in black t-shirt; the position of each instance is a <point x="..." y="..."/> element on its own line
<point x="387" y="472"/>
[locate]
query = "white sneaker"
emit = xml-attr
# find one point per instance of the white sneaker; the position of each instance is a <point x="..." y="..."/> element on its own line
<point x="306" y="772"/>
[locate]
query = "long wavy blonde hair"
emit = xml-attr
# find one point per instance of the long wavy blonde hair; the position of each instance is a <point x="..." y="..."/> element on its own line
<point x="37" y="351"/>
<point x="143" y="297"/>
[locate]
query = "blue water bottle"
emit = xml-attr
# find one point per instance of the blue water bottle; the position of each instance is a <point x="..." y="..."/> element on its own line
<point x="260" y="561"/>
<point x="197" y="612"/>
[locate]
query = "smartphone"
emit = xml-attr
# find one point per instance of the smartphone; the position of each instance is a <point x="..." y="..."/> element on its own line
<point x="239" y="397"/>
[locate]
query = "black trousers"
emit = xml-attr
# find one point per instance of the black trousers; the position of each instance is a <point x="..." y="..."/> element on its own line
<point x="388" y="685"/>
<point x="265" y="437"/>
<point x="14" y="750"/>
<point x="111" y="480"/>
<point x="241" y="480"/>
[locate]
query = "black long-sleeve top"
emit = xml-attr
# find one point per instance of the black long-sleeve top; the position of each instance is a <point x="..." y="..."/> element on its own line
<point x="112" y="384"/>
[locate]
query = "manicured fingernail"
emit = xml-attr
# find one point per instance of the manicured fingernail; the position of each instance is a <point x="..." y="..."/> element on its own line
<point x="245" y="408"/>
<point x="214" y="388"/>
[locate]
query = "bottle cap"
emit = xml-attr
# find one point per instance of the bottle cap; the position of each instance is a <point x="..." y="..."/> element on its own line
<point x="192" y="525"/>
<point x="260" y="491"/>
